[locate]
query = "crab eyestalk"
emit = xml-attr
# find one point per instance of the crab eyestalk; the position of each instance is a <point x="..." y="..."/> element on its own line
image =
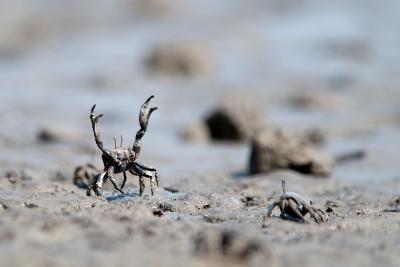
<point x="115" y="141"/>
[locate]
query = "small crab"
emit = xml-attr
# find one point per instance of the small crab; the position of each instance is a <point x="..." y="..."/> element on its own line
<point x="123" y="159"/>
<point x="83" y="174"/>
<point x="295" y="207"/>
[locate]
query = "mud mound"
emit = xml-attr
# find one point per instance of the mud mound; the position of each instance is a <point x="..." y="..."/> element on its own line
<point x="235" y="119"/>
<point x="275" y="149"/>
<point x="185" y="59"/>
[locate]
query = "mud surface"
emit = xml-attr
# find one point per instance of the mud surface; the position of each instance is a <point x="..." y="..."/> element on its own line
<point x="332" y="67"/>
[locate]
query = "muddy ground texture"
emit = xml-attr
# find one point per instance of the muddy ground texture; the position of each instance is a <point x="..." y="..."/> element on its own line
<point x="57" y="225"/>
<point x="325" y="73"/>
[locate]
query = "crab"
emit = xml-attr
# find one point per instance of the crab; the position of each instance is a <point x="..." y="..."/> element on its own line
<point x="295" y="207"/>
<point x="83" y="174"/>
<point x="123" y="159"/>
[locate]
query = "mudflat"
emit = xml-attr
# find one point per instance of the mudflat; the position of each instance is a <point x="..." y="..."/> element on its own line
<point x="330" y="69"/>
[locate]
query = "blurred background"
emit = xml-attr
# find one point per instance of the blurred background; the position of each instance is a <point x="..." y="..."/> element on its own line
<point x="326" y="65"/>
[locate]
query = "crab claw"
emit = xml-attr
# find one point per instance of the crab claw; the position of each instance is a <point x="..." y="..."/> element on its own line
<point x="148" y="100"/>
<point x="92" y="112"/>
<point x="145" y="112"/>
<point x="145" y="104"/>
<point x="92" y="116"/>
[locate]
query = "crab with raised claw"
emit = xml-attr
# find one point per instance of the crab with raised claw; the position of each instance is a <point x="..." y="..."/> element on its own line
<point x="123" y="159"/>
<point x="295" y="207"/>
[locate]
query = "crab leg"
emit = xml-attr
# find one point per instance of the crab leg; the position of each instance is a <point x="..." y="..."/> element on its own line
<point x="115" y="184"/>
<point x="148" y="174"/>
<point x="141" y="185"/>
<point x="271" y="208"/>
<point x="124" y="181"/>
<point x="294" y="208"/>
<point x="317" y="214"/>
<point x="136" y="170"/>
<point x="148" y="168"/>
<point x="96" y="184"/>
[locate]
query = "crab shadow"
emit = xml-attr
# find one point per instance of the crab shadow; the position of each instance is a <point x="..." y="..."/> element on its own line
<point x="119" y="196"/>
<point x="244" y="175"/>
<point x="160" y="194"/>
